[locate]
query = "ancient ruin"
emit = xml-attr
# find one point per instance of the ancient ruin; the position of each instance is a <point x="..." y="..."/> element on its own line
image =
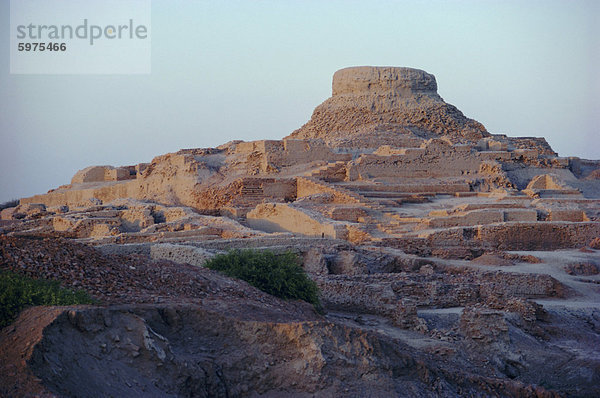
<point x="451" y="261"/>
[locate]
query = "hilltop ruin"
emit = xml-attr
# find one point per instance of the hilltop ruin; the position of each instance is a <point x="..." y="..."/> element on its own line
<point x="385" y="159"/>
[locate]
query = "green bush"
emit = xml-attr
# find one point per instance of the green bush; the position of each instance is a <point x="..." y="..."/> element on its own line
<point x="276" y="274"/>
<point x="18" y="292"/>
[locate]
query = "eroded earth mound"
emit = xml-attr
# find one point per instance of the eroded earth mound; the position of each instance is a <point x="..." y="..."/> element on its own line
<point x="450" y="261"/>
<point x="398" y="103"/>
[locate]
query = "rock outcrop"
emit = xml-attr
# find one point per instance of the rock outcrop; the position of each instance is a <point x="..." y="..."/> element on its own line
<point x="187" y="350"/>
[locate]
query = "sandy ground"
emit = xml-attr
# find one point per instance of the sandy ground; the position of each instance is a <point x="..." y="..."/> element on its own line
<point x="585" y="289"/>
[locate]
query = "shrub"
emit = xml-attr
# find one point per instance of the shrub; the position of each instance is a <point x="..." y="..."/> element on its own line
<point x="10" y="203"/>
<point x="18" y="292"/>
<point x="279" y="275"/>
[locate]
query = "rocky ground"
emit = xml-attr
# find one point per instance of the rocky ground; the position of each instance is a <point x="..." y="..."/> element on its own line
<point x="167" y="329"/>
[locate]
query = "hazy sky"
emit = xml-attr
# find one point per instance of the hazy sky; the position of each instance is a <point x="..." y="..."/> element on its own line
<point x="257" y="69"/>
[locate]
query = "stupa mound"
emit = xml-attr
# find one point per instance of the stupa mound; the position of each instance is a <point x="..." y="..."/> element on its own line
<point x="398" y="104"/>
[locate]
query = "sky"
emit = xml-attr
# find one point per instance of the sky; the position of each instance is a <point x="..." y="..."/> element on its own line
<point x="225" y="70"/>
